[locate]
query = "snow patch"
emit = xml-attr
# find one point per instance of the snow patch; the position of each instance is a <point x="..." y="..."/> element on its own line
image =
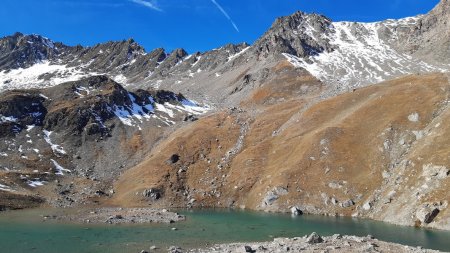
<point x="31" y="77"/>
<point x="30" y="127"/>
<point x="360" y="57"/>
<point x="43" y="96"/>
<point x="120" y="79"/>
<point x="4" y="119"/>
<point x="5" y="188"/>
<point x="35" y="182"/>
<point x="59" y="169"/>
<point x="164" y="109"/>
<point x="56" y="148"/>
<point x="231" y="57"/>
<point x="134" y="114"/>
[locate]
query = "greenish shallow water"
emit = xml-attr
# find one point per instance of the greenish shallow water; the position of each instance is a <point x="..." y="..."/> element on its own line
<point x="24" y="231"/>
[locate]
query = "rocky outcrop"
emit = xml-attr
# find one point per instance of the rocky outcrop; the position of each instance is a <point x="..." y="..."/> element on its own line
<point x="427" y="213"/>
<point x="298" y="34"/>
<point x="430" y="37"/>
<point x="21" y="51"/>
<point x="335" y="243"/>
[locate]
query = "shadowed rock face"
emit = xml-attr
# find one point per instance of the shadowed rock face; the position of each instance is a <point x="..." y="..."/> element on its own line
<point x="73" y="106"/>
<point x="21" y="51"/>
<point x="85" y="131"/>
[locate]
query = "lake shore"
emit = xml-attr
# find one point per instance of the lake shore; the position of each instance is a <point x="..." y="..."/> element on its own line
<point x="117" y="215"/>
<point x="313" y="243"/>
<point x="118" y="230"/>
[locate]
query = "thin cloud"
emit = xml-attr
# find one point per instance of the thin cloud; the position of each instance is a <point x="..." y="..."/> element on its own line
<point x="88" y="4"/>
<point x="149" y="4"/>
<point x="225" y="14"/>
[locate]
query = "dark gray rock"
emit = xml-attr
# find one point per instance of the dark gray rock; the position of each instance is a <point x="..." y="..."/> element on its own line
<point x="249" y="249"/>
<point x="314" y="238"/>
<point x="153" y="194"/>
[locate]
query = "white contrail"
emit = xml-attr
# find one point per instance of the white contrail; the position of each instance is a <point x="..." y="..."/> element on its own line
<point x="152" y="4"/>
<point x="225" y="14"/>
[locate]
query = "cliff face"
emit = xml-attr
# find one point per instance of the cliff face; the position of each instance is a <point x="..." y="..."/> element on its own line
<point x="429" y="38"/>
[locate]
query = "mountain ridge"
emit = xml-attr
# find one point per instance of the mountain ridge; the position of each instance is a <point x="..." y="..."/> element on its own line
<point x="383" y="50"/>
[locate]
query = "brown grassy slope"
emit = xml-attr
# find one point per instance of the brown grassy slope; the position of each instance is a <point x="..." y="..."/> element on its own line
<point x="200" y="146"/>
<point x="316" y="157"/>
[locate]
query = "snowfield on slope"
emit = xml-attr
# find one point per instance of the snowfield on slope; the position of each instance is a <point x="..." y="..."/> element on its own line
<point x="36" y="75"/>
<point x="360" y="57"/>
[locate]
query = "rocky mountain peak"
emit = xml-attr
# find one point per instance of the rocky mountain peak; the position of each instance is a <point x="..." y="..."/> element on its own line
<point x="20" y="51"/>
<point x="298" y="18"/>
<point x="297" y="34"/>
<point x="179" y="53"/>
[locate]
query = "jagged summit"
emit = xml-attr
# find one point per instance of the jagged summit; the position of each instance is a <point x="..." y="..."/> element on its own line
<point x="28" y="61"/>
<point x="297" y="34"/>
<point x="21" y="51"/>
<point x="343" y="55"/>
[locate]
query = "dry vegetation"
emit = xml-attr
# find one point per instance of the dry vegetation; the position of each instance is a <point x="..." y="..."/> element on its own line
<point x="327" y="157"/>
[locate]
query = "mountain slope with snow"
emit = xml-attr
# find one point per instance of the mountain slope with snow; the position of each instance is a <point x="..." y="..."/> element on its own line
<point x="360" y="56"/>
<point x="87" y="130"/>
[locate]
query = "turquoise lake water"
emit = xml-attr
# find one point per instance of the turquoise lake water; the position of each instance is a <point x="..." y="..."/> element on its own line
<point x="25" y="231"/>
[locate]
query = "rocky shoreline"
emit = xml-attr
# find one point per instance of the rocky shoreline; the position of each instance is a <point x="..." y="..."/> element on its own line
<point x="312" y="243"/>
<point x="118" y="216"/>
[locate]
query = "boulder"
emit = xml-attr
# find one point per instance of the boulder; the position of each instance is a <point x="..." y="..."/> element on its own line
<point x="173" y="159"/>
<point x="152" y="193"/>
<point x="347" y="203"/>
<point x="296" y="211"/>
<point x="426" y="214"/>
<point x="314" y="238"/>
<point x="367" y="206"/>
<point x="249" y="249"/>
<point x="175" y="249"/>
<point x="432" y="171"/>
<point x="273" y="195"/>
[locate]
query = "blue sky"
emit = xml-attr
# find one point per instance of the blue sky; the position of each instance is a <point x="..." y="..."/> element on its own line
<point x="196" y="25"/>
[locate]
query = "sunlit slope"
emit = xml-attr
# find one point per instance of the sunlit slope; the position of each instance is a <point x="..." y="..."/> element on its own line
<point x="380" y="152"/>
